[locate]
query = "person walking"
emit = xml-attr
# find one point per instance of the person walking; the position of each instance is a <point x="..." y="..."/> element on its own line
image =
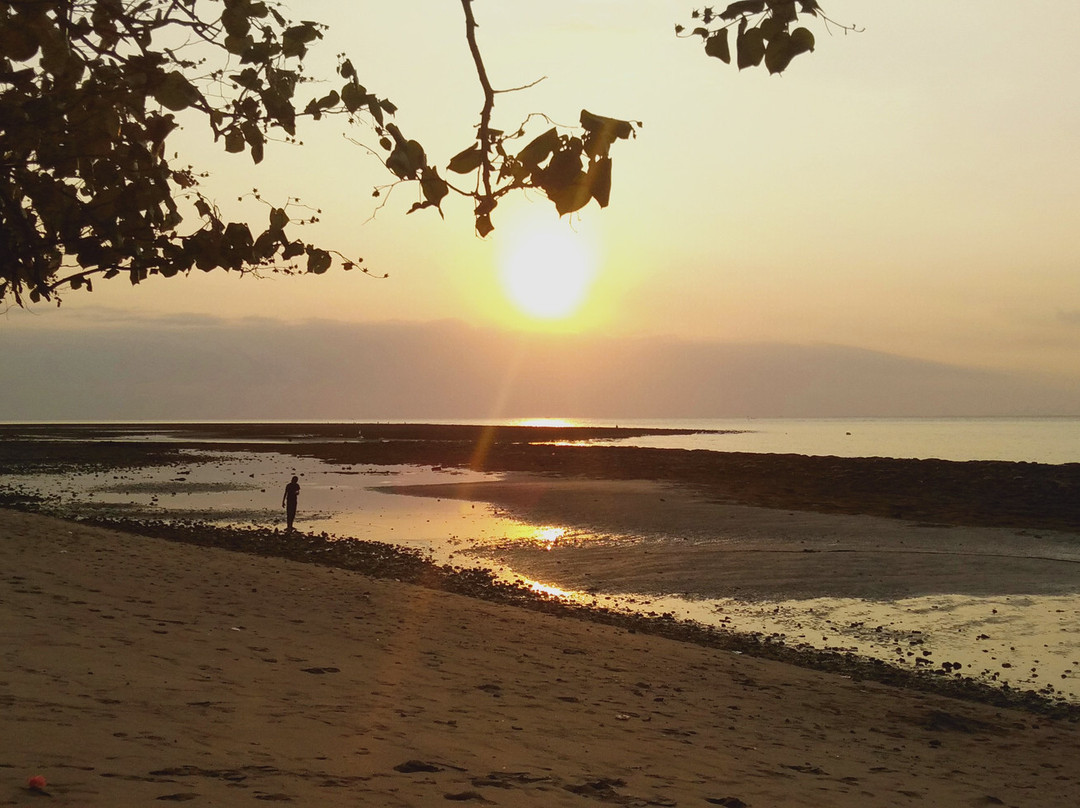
<point x="288" y="500"/>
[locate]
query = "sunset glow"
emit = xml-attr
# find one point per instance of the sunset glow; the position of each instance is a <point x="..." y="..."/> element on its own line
<point x="854" y="236"/>
<point x="547" y="271"/>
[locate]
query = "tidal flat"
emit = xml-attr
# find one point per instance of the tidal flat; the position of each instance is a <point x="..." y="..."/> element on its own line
<point x="797" y="557"/>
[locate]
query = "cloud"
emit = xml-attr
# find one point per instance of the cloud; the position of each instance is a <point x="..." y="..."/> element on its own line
<point x="108" y="317"/>
<point x="392" y="371"/>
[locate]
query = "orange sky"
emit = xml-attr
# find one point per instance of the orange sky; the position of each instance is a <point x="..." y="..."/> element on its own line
<point x="911" y="189"/>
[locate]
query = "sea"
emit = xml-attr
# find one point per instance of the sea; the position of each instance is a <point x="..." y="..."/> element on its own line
<point x="1023" y="641"/>
<point x="1052" y="440"/>
<point x="1024" y="440"/>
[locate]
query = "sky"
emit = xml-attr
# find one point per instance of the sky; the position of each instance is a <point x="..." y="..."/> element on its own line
<point x="908" y="193"/>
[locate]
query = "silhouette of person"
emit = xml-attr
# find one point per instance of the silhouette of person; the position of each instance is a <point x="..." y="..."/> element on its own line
<point x="288" y="500"/>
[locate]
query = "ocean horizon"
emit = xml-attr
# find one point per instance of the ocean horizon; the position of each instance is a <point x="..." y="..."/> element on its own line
<point x="1045" y="439"/>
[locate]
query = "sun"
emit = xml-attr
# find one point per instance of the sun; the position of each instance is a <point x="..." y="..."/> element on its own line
<point x="547" y="271"/>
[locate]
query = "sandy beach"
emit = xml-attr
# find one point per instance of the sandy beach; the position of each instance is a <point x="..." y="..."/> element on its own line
<point x="160" y="664"/>
<point x="138" y="670"/>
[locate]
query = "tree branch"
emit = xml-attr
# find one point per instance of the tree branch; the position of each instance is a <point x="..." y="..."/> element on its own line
<point x="484" y="132"/>
<point x="528" y="86"/>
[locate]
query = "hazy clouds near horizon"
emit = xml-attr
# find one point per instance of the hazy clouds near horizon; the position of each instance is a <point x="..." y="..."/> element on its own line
<point x="445" y="370"/>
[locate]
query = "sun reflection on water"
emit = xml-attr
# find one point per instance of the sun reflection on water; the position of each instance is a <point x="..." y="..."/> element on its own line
<point x="548" y="422"/>
<point x="553" y="591"/>
<point x="548" y="537"/>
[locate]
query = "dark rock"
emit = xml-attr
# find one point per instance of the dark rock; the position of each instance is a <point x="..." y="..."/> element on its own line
<point x="411" y="766"/>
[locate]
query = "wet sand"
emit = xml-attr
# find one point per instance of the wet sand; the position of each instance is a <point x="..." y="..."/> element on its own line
<point x="692" y="544"/>
<point x="138" y="670"/>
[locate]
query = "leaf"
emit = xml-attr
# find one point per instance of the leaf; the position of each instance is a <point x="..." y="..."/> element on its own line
<point x="751" y="48"/>
<point x="255" y="138"/>
<point x="433" y="186"/>
<point x="238" y="236"/>
<point x="279" y="109"/>
<point x="266" y="245"/>
<point x="483" y="225"/>
<point x="786" y="47"/>
<point x="602" y="132"/>
<point x="742" y="8"/>
<point x="56" y="55"/>
<point x="717" y="46"/>
<point x="802" y="40"/>
<point x="783" y="10"/>
<point x="353" y="95"/>
<point x="599" y="124"/>
<point x="772" y="28"/>
<point x="599" y="181"/>
<point x="293" y="249"/>
<point x="260" y="52"/>
<point x="278" y="218"/>
<point x="294" y="40"/>
<point x="406" y="159"/>
<point x="17" y="42"/>
<point x="175" y="92"/>
<point x="318" y="260"/>
<point x="375" y="109"/>
<point x="234" y="141"/>
<point x="306" y="32"/>
<point x="248" y="79"/>
<point x="235" y="21"/>
<point x="539" y="149"/>
<point x="564" y="170"/>
<point x="565" y="183"/>
<point x="283" y="81"/>
<point x="465" y="161"/>
<point x="779" y="54"/>
<point x="315" y="107"/>
<point x="572" y="197"/>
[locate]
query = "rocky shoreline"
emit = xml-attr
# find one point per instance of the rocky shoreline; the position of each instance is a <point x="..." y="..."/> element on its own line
<point x="387" y="562"/>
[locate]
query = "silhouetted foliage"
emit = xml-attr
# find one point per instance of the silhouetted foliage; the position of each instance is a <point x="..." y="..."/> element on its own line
<point x="763" y="32"/>
<point x="89" y="94"/>
<point x="91" y="90"/>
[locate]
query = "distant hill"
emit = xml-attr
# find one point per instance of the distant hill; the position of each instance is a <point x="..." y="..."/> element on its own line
<point x="444" y="370"/>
